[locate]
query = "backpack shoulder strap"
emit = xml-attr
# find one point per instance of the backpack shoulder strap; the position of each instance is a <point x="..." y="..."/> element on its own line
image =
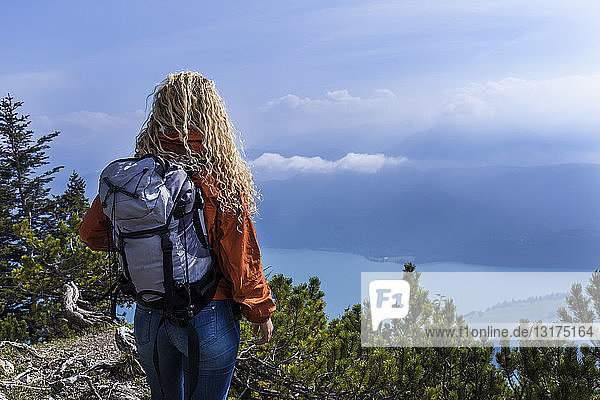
<point x="199" y="225"/>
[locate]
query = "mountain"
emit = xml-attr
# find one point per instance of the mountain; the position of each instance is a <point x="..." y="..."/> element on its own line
<point x="538" y="308"/>
<point x="544" y="216"/>
<point x="500" y="144"/>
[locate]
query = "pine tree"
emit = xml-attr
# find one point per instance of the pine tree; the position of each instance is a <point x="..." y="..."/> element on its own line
<point x="22" y="158"/>
<point x="310" y="357"/>
<point x="57" y="259"/>
<point x="72" y="203"/>
<point x="9" y="251"/>
<point x="7" y="201"/>
<point x="24" y="199"/>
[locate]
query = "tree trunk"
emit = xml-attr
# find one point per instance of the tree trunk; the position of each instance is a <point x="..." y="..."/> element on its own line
<point x="76" y="315"/>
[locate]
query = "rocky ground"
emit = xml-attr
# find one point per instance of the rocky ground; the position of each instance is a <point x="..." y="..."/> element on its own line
<point x="98" y="365"/>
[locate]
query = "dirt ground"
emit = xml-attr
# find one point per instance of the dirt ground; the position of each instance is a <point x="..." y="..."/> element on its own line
<point x="87" y="367"/>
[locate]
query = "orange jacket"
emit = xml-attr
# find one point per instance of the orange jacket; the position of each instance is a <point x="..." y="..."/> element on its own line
<point x="238" y="254"/>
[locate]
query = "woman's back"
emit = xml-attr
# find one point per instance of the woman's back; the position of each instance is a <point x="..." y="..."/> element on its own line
<point x="188" y="126"/>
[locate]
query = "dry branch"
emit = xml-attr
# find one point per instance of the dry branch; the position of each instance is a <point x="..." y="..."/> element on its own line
<point x="125" y="340"/>
<point x="21" y="346"/>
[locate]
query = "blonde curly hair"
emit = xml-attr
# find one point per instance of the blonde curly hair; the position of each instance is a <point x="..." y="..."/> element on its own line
<point x="186" y="102"/>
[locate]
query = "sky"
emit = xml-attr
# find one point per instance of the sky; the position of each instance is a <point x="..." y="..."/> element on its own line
<point x="318" y="86"/>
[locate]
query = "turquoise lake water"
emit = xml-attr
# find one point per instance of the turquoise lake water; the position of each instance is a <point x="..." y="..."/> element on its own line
<point x="340" y="272"/>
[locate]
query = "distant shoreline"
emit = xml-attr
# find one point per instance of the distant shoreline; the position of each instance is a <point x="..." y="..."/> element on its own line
<point x="431" y="261"/>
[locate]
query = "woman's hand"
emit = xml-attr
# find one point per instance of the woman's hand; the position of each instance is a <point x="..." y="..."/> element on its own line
<point x="265" y="328"/>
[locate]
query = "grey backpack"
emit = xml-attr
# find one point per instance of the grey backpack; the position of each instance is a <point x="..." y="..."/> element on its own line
<point x="160" y="237"/>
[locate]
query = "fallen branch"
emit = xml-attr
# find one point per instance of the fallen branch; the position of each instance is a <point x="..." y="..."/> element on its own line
<point x="67" y="363"/>
<point x="93" y="388"/>
<point x="21" y="346"/>
<point x="58" y="385"/>
<point x="125" y="340"/>
<point x="25" y="374"/>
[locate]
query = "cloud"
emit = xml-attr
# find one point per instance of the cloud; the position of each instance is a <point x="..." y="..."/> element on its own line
<point x="340" y="99"/>
<point x="275" y="165"/>
<point x="337" y="108"/>
<point x="538" y="105"/>
<point x="343" y="117"/>
<point x="88" y="140"/>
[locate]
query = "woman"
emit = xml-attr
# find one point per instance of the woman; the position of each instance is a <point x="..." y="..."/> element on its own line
<point x="188" y="125"/>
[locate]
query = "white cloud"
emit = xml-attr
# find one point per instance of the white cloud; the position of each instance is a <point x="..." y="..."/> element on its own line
<point x="85" y="133"/>
<point x="274" y="164"/>
<point x="341" y="110"/>
<point x="537" y="105"/>
<point x="540" y="106"/>
<point x="334" y="101"/>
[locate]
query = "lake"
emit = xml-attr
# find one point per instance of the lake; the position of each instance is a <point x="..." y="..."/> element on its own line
<point x="339" y="273"/>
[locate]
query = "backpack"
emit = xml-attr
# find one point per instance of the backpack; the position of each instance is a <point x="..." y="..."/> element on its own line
<point x="160" y="238"/>
<point x="158" y="223"/>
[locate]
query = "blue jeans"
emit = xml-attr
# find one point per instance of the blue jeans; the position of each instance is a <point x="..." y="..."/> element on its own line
<point x="219" y="339"/>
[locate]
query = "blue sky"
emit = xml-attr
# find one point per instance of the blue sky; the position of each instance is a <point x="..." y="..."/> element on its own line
<point x="327" y="78"/>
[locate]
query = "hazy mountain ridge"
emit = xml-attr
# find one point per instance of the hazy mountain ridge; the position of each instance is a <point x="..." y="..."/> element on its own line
<point x="544" y="216"/>
<point x="482" y="144"/>
<point x="534" y="308"/>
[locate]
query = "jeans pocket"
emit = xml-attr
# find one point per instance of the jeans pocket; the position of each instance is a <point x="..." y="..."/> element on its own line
<point x="141" y="325"/>
<point x="205" y="323"/>
<point x="234" y="313"/>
